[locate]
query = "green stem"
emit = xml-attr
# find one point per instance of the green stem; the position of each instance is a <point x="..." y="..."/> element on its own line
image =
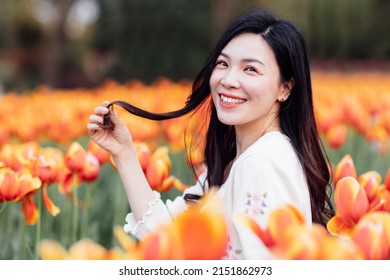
<point x="22" y="240"/>
<point x="3" y="206"/>
<point x="39" y="224"/>
<point x="87" y="205"/>
<point x="75" y="208"/>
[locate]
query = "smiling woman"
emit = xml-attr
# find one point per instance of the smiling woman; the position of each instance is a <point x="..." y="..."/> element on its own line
<point x="262" y="149"/>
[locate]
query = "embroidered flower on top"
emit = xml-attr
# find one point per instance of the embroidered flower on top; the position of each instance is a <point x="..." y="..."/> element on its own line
<point x="256" y="203"/>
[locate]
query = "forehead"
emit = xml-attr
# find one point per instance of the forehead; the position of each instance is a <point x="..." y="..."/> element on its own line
<point x="248" y="45"/>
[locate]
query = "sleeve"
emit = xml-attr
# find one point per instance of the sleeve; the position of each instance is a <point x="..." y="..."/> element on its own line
<point x="159" y="212"/>
<point x="261" y="186"/>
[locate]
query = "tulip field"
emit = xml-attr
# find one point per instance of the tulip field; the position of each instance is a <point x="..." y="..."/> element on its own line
<point x="61" y="197"/>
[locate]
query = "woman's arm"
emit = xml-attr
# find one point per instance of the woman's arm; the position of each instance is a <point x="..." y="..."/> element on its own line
<point x="119" y="144"/>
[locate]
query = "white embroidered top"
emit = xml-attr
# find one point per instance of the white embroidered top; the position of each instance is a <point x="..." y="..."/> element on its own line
<point x="264" y="177"/>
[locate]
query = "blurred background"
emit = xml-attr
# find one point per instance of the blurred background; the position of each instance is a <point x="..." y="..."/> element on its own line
<point x="80" y="43"/>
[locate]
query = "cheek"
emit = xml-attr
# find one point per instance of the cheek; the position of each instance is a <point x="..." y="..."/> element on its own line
<point x="214" y="80"/>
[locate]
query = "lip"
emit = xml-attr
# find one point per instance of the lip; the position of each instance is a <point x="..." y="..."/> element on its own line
<point x="230" y="105"/>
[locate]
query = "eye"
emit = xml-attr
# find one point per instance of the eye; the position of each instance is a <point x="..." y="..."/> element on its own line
<point x="251" y="69"/>
<point x="221" y="63"/>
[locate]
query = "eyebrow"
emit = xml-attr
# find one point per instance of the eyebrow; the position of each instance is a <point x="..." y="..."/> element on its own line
<point x="245" y="59"/>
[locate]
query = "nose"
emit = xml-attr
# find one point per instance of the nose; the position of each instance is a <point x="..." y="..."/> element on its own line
<point x="230" y="80"/>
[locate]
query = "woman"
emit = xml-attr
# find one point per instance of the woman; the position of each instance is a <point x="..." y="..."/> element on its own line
<point x="262" y="146"/>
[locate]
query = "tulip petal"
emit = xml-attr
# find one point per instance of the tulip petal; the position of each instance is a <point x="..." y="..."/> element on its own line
<point x="51" y="208"/>
<point x="282" y="220"/>
<point x="245" y="220"/>
<point x="345" y="168"/>
<point x="51" y="250"/>
<point x="337" y="227"/>
<point x="351" y="200"/>
<point x="29" y="210"/>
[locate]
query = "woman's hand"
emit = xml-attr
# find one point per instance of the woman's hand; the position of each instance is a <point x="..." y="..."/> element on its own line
<point x="114" y="141"/>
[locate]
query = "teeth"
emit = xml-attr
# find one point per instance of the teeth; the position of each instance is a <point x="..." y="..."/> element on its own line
<point x="231" y="101"/>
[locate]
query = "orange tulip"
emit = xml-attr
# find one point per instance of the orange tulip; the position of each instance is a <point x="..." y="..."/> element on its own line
<point x="282" y="223"/>
<point x="282" y="220"/>
<point x="14" y="187"/>
<point x="337" y="135"/>
<point x="8" y="157"/>
<point x="162" y="244"/>
<point x="156" y="172"/>
<point x="333" y="248"/>
<point x="51" y="250"/>
<point x="91" y="168"/>
<point x="370" y="182"/>
<point x="344" y="168"/>
<point x="162" y="152"/>
<point x="27" y="154"/>
<point x="306" y="244"/>
<point x="143" y="153"/>
<point x="49" y="165"/>
<point x="336" y="226"/>
<point x="75" y="157"/>
<point x="351" y="200"/>
<point x="101" y="154"/>
<point x="264" y="235"/>
<point x="86" y="249"/>
<point x="203" y="230"/>
<point x="199" y="233"/>
<point x="372" y="235"/>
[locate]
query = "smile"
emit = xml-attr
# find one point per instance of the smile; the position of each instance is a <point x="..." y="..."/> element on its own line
<point x="228" y="100"/>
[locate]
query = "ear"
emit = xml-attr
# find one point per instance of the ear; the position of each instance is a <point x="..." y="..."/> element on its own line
<point x="286" y="88"/>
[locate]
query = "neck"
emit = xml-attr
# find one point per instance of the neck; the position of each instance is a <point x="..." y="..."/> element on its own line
<point x="246" y="136"/>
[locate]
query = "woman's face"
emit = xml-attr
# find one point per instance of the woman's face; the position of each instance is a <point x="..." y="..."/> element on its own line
<point x="245" y="84"/>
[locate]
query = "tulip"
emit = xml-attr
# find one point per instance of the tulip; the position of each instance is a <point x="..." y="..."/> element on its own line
<point x="91" y="169"/>
<point x="86" y="249"/>
<point x="344" y="168"/>
<point x="337" y="227"/>
<point x="306" y="245"/>
<point x="370" y="182"/>
<point x="8" y="157"/>
<point x="334" y="248"/>
<point x="203" y="230"/>
<point x="14" y="187"/>
<point x="372" y="235"/>
<point x="51" y="250"/>
<point x="282" y="220"/>
<point x="49" y="165"/>
<point x="351" y="200"/>
<point x="245" y="220"/>
<point x="129" y="245"/>
<point x="75" y="157"/>
<point x="102" y="155"/>
<point x="143" y="153"/>
<point x="162" y="244"/>
<point x="337" y="135"/>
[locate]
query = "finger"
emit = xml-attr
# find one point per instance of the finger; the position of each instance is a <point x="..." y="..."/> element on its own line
<point x="105" y="103"/>
<point x="96" y="119"/>
<point x="94" y="126"/>
<point x="101" y="110"/>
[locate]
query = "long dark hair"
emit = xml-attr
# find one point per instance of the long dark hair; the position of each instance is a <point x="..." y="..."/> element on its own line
<point x="296" y="113"/>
